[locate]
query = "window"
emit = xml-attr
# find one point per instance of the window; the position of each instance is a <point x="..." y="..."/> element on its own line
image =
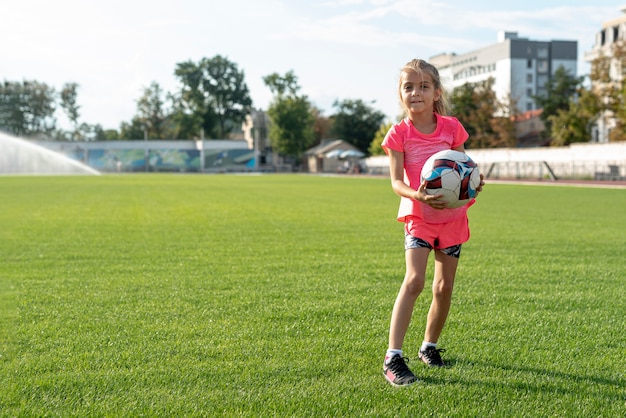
<point x="529" y="63"/>
<point x="542" y="80"/>
<point x="542" y="52"/>
<point x="529" y="78"/>
<point x="529" y="92"/>
<point x="542" y="66"/>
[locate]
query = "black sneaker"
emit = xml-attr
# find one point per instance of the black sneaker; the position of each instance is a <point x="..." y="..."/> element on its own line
<point x="432" y="356"/>
<point x="397" y="372"/>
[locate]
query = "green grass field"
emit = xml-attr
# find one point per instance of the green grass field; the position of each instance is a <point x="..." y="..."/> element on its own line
<point x="192" y="295"/>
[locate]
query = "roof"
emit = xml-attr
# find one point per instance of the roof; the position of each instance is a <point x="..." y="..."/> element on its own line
<point x="530" y="114"/>
<point x="329" y="145"/>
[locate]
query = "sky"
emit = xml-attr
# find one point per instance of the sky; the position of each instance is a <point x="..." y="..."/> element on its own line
<point x="338" y="49"/>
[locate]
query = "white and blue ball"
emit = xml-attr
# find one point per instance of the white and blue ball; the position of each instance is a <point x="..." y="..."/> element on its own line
<point x="452" y="174"/>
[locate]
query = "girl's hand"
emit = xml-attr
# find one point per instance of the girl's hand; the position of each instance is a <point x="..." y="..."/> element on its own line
<point x="480" y="186"/>
<point x="434" y="201"/>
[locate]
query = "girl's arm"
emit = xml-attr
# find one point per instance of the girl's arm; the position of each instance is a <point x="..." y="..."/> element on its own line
<point x="396" y="171"/>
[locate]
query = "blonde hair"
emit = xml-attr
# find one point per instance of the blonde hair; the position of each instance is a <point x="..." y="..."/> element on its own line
<point x="422" y="67"/>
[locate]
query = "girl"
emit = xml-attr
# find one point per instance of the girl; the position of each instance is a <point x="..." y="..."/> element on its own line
<point x="428" y="224"/>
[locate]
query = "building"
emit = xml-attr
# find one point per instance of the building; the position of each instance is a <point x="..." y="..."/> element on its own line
<point x="612" y="32"/>
<point x="210" y="156"/>
<point x="520" y="68"/>
<point x="256" y="129"/>
<point x="333" y="156"/>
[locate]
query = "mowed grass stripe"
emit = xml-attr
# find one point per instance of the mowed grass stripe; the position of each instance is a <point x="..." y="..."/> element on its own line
<point x="270" y="295"/>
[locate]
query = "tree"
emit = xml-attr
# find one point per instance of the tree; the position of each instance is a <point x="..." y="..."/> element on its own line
<point x="503" y="125"/>
<point x="89" y="132"/>
<point x="108" y="135"/>
<point x="187" y="120"/>
<point x="463" y="106"/>
<point x="282" y="85"/>
<point x="375" y="147"/>
<point x="560" y="89"/>
<point x="215" y="93"/>
<point x="133" y="130"/>
<point x="151" y="111"/>
<point x="231" y="97"/>
<point x="619" y="111"/>
<point x="12" y="118"/>
<point x="27" y="108"/>
<point x="193" y="112"/>
<point x="292" y="129"/>
<point x="503" y="129"/>
<point x="69" y="95"/>
<point x="323" y="125"/>
<point x="356" y="122"/>
<point x="573" y="124"/>
<point x="608" y="77"/>
<point x="486" y="119"/>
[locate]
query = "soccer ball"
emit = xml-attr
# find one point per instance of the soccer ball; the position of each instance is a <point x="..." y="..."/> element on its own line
<point x="452" y="174"/>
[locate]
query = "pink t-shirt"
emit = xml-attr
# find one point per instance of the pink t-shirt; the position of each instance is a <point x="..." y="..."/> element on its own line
<point x="417" y="148"/>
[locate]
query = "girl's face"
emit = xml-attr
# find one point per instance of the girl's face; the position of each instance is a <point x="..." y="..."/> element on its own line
<point x="418" y="92"/>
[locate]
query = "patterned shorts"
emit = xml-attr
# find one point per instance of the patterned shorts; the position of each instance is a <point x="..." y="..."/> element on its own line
<point x="413" y="242"/>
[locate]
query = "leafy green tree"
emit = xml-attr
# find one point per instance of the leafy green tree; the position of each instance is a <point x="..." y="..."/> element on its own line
<point x="486" y="119"/>
<point x="192" y="109"/>
<point x="88" y="132"/>
<point x="485" y="101"/>
<point x="292" y="129"/>
<point x="27" y="108"/>
<point x="573" y="124"/>
<point x="136" y="129"/>
<point x="463" y="105"/>
<point x="356" y="122"/>
<point x="322" y="127"/>
<point x="282" y="85"/>
<point x="80" y="131"/>
<point x="619" y="111"/>
<point x="560" y="89"/>
<point x="502" y="124"/>
<point x="375" y="147"/>
<point x="110" y="135"/>
<point x="187" y="121"/>
<point x="12" y="117"/>
<point x="43" y="105"/>
<point x="152" y="112"/>
<point x="214" y="93"/>
<point x="231" y="97"/>
<point x="69" y="96"/>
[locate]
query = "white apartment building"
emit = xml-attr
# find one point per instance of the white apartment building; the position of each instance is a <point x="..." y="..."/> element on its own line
<point x="521" y="68"/>
<point x="612" y="32"/>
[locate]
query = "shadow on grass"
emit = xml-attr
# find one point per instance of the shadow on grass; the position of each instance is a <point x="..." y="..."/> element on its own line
<point x="536" y="380"/>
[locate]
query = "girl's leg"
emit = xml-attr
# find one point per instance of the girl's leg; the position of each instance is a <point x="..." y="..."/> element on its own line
<point x="443" y="283"/>
<point x="412" y="286"/>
